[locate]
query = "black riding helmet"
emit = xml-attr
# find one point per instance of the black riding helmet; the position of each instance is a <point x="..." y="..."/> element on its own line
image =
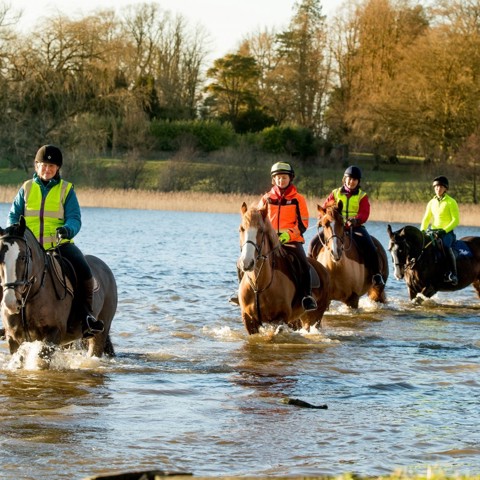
<point x="354" y="172"/>
<point x="441" y="180"/>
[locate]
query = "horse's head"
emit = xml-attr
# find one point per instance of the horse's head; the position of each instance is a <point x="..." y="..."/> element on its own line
<point x="405" y="245"/>
<point x="15" y="265"/>
<point x="256" y="234"/>
<point x="330" y="219"/>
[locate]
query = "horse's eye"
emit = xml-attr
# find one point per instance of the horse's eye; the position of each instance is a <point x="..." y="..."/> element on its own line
<point x="241" y="229"/>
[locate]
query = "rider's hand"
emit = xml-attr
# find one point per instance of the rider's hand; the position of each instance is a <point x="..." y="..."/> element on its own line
<point x="440" y="232"/>
<point x="284" y="237"/>
<point x="62" y="232"/>
<point x="352" y="222"/>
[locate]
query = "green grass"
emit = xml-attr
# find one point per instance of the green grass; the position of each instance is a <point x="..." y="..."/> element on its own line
<point x="409" y="180"/>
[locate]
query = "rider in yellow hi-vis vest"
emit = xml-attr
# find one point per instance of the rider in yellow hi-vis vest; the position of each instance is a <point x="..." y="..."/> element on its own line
<point x="443" y="215"/>
<point x="51" y="210"/>
<point x="356" y="211"/>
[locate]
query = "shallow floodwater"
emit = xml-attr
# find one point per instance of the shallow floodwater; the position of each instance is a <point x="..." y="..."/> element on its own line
<point x="189" y="391"/>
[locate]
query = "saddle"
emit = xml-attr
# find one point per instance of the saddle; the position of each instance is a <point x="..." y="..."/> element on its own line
<point x="459" y="247"/>
<point x="297" y="268"/>
<point x="62" y="270"/>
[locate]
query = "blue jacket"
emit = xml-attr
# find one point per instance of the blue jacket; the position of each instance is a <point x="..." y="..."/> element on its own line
<point x="73" y="219"/>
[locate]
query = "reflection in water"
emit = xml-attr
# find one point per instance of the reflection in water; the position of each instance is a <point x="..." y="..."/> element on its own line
<point x="190" y="391"/>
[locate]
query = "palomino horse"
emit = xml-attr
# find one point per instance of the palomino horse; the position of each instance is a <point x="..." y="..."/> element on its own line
<point x="38" y="303"/>
<point x="268" y="290"/>
<point x="420" y="263"/>
<point x="349" y="276"/>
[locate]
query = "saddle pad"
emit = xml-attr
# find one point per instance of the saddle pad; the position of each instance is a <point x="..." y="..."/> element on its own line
<point x="462" y="250"/>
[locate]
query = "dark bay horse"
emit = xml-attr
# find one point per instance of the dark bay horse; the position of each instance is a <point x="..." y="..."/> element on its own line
<point x="268" y="291"/>
<point x="417" y="260"/>
<point x="339" y="253"/>
<point x="38" y="304"/>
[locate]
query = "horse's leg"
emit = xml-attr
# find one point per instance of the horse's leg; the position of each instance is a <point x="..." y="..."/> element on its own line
<point x="352" y="300"/>
<point x="476" y="286"/>
<point x="251" y="325"/>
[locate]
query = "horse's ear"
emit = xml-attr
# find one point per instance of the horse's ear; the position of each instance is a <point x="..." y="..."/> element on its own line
<point x="22" y="224"/>
<point x="243" y="208"/>
<point x="321" y="211"/>
<point x="389" y="230"/>
<point x="340" y="206"/>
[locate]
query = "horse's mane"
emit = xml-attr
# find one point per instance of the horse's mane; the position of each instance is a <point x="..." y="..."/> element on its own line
<point x="258" y="217"/>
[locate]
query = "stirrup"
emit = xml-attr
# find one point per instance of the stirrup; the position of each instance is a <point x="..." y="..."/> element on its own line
<point x="92" y="326"/>
<point x="450" y="277"/>
<point x="377" y="280"/>
<point x="309" y="303"/>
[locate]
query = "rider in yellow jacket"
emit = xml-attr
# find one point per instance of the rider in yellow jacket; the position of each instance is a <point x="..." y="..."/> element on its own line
<point x="443" y="216"/>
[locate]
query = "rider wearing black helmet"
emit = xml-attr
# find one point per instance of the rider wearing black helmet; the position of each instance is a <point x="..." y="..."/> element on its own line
<point x="356" y="210"/>
<point x="443" y="215"/>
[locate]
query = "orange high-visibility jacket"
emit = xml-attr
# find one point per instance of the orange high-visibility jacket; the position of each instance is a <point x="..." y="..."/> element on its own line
<point x="287" y="211"/>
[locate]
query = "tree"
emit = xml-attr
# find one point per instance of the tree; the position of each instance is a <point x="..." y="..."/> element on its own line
<point x="234" y="86"/>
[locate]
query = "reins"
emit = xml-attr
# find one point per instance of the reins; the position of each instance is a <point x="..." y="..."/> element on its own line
<point x="261" y="259"/>
<point x="27" y="283"/>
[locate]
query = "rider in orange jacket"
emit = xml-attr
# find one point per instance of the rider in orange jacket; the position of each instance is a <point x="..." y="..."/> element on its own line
<point x="288" y="213"/>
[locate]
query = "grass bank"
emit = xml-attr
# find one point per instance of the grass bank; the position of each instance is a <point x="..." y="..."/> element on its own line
<point x="382" y="211"/>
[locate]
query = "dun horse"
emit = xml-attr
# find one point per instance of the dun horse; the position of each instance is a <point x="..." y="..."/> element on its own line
<point x="268" y="290"/>
<point x="421" y="264"/>
<point x="339" y="253"/>
<point x="38" y="301"/>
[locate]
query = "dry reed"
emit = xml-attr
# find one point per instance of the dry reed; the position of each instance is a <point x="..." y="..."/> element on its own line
<point x="394" y="212"/>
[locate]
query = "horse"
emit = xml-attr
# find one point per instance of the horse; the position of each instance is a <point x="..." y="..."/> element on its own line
<point x="268" y="292"/>
<point x="418" y="261"/>
<point x="350" y="278"/>
<point x="39" y="302"/>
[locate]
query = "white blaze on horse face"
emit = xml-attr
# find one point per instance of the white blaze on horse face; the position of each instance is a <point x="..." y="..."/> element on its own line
<point x="397" y="268"/>
<point x="246" y="262"/>
<point x="9" y="275"/>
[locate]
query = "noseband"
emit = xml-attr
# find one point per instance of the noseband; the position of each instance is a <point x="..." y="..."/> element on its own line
<point x="25" y="283"/>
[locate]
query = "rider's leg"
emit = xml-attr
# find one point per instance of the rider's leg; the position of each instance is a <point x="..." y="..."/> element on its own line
<point x="452" y="275"/>
<point x="371" y="254"/>
<point x="234" y="297"/>
<point x="308" y="302"/>
<point x="86" y="283"/>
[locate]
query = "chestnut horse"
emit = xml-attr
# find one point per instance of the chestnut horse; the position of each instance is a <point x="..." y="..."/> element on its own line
<point x="339" y="253"/>
<point x="38" y="303"/>
<point x="268" y="291"/>
<point x="418" y="261"/>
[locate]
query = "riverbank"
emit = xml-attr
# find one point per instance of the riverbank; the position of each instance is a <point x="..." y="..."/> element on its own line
<point x="395" y="212"/>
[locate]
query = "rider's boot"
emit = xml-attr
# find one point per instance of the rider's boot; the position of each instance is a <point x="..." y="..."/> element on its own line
<point x="234" y="298"/>
<point x="451" y="276"/>
<point x="90" y="325"/>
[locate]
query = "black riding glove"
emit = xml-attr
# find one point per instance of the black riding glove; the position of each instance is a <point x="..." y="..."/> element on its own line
<point x="62" y="233"/>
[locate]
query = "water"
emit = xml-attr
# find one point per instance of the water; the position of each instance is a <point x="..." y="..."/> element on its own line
<point x="190" y="391"/>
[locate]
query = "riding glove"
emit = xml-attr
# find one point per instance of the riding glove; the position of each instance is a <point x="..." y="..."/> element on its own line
<point x="284" y="237"/>
<point x="62" y="232"/>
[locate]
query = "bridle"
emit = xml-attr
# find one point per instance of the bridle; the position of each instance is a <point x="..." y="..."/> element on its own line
<point x="410" y="261"/>
<point x="341" y="238"/>
<point x="260" y="261"/>
<point x="23" y="287"/>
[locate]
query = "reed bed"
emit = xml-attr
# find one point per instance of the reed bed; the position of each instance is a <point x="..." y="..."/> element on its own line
<point x="394" y="212"/>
